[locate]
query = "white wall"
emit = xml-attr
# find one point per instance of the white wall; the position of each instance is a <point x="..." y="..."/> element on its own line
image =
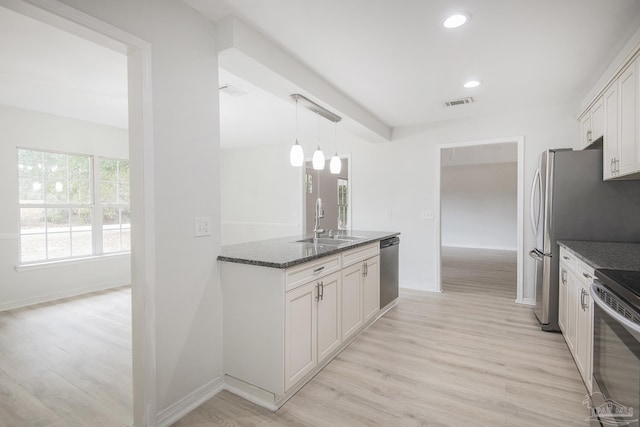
<point x="28" y="129"/>
<point x="260" y="194"/>
<point x="478" y="205"/>
<point x="184" y="80"/>
<point x="400" y="177"/>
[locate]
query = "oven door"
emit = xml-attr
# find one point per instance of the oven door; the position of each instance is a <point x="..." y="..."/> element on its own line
<point x="616" y="364"/>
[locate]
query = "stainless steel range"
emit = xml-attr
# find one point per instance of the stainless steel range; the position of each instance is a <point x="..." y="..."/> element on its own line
<point x="616" y="348"/>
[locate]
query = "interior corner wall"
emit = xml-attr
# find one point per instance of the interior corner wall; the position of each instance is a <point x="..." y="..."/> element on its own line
<point x="186" y="143"/>
<point x="29" y="129"/>
<point x="478" y="206"/>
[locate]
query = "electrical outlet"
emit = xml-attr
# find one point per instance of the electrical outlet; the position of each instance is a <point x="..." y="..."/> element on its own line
<point x="387" y="214"/>
<point x="202" y="226"/>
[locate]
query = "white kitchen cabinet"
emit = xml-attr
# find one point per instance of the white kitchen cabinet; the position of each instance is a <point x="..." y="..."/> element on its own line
<point x="592" y="124"/>
<point x="360" y="287"/>
<point x="628" y="98"/>
<point x="281" y="326"/>
<point x="610" y="141"/>
<point x="300" y="341"/>
<point x="312" y="326"/>
<point x="352" y="318"/>
<point x="622" y="127"/>
<point x="584" y="333"/>
<point x="575" y="314"/>
<point x="563" y="298"/>
<point x="329" y="315"/>
<point x="371" y="288"/>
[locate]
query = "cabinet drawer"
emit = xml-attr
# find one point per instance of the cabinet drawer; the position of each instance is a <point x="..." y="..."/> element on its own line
<point x="584" y="272"/>
<point x="360" y="254"/>
<point x="568" y="259"/>
<point x="300" y="274"/>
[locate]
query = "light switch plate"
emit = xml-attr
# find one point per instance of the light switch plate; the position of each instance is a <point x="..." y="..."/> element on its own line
<point x="202" y="226"/>
<point x="426" y="215"/>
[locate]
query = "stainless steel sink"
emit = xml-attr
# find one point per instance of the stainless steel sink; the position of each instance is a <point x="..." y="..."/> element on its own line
<point x="326" y="241"/>
<point x="346" y="237"/>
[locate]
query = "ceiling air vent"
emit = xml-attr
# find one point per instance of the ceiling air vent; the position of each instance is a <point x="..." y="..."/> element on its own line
<point x="232" y="90"/>
<point x="460" y="101"/>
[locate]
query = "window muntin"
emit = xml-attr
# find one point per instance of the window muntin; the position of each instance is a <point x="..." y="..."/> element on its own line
<point x="60" y="212"/>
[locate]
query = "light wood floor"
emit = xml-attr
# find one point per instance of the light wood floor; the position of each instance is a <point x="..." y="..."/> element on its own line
<point x="467" y="357"/>
<point x="67" y="363"/>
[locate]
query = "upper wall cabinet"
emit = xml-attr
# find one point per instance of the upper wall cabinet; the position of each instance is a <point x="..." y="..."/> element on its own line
<point x="592" y="124"/>
<point x="622" y="141"/>
<point x="615" y="114"/>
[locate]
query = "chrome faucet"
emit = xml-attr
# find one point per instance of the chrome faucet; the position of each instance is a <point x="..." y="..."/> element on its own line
<point x="319" y="214"/>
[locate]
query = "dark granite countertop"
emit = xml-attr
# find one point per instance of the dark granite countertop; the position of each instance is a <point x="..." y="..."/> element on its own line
<point x="612" y="255"/>
<point x="286" y="252"/>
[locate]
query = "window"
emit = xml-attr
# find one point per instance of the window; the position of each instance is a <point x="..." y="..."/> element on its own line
<point x="61" y="212"/>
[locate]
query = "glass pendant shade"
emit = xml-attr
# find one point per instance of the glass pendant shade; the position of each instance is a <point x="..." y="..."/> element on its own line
<point x="318" y="159"/>
<point x="296" y="155"/>
<point x="335" y="166"/>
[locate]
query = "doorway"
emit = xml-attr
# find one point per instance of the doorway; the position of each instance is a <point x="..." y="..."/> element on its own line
<point x="140" y="133"/>
<point x="334" y="191"/>
<point x="480" y="203"/>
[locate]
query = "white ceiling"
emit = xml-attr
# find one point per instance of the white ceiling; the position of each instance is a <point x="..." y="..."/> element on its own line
<point x="49" y="70"/>
<point x="391" y="57"/>
<point x="395" y="59"/>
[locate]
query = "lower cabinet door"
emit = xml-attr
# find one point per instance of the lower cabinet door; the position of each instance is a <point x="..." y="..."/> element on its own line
<point x="371" y="287"/>
<point x="351" y="310"/>
<point x="562" y="298"/>
<point x="329" y="316"/>
<point x="584" y="344"/>
<point x="300" y="343"/>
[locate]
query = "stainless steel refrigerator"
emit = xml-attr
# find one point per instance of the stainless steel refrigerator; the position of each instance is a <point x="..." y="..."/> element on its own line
<point x="570" y="201"/>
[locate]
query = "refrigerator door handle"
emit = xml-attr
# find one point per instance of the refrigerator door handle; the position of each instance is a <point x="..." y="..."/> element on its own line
<point x="535" y="187"/>
<point x="536" y="254"/>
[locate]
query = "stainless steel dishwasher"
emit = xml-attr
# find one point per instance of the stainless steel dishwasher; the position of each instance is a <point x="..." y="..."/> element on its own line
<point x="389" y="252"/>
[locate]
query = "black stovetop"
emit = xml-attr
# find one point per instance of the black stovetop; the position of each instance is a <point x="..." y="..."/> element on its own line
<point x="626" y="284"/>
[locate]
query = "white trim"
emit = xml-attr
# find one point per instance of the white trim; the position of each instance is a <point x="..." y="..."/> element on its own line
<point x="182" y="407"/>
<point x="527" y="301"/>
<point x="418" y="286"/>
<point x="9" y="236"/>
<point x="71" y="261"/>
<point x="519" y="140"/>
<point x="254" y="396"/>
<point x="491" y="248"/>
<point x="141" y="157"/>
<point x="10" y="305"/>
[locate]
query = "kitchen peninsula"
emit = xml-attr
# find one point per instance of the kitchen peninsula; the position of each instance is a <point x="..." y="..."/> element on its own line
<point x="293" y="304"/>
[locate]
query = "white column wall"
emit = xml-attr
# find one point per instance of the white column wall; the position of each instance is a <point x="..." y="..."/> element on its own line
<point x="184" y="76"/>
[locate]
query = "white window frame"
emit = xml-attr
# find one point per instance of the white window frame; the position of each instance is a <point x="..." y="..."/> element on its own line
<point x="95" y="206"/>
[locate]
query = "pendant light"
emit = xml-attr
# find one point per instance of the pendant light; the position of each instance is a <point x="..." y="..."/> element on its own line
<point x="296" y="155"/>
<point x="335" y="166"/>
<point x="318" y="155"/>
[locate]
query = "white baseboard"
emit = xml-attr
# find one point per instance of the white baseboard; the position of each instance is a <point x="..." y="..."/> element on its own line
<point x="179" y="409"/>
<point x="418" y="286"/>
<point x="526" y="301"/>
<point x="491" y="248"/>
<point x="10" y="305"/>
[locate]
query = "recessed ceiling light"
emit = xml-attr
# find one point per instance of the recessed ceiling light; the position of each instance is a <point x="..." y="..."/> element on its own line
<point x="455" y="21"/>
<point x="472" y="83"/>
